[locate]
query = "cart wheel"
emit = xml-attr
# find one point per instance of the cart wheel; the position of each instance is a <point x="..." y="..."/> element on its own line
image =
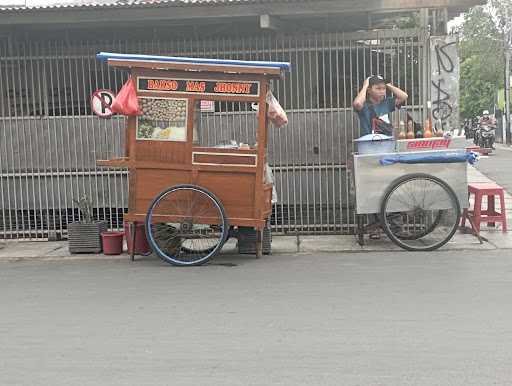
<point x="420" y="212"/>
<point x="422" y="225"/>
<point x="188" y="246"/>
<point x="186" y="225"/>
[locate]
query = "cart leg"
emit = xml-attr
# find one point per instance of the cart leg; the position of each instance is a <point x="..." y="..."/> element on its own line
<point x="491" y="209"/>
<point x="476" y="232"/>
<point x="259" y="243"/>
<point x="133" y="232"/>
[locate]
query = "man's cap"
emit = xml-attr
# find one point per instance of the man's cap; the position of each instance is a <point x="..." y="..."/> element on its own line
<point x="485" y="112"/>
<point x="375" y="79"/>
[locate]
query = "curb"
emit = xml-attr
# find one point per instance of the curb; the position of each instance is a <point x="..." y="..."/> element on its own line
<point x="309" y="251"/>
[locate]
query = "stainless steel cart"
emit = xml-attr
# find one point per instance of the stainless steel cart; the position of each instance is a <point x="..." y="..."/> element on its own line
<point x="417" y="205"/>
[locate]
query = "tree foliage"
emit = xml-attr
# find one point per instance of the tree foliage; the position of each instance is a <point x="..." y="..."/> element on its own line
<point x="482" y="58"/>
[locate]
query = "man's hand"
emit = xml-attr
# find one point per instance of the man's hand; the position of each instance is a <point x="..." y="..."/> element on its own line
<point x="400" y="95"/>
<point x="366" y="83"/>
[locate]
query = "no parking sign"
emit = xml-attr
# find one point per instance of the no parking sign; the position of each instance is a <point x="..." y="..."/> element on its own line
<point x="101" y="101"/>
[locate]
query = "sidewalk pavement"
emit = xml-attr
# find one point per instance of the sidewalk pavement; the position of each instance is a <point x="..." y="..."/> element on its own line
<point x="48" y="250"/>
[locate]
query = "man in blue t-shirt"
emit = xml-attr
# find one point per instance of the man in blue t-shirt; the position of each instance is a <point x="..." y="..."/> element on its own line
<point x="372" y="102"/>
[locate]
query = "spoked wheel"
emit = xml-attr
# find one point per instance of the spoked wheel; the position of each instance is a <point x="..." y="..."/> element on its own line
<point x="186" y="225"/>
<point x="420" y="212"/>
<point x="419" y="225"/>
<point x="189" y="246"/>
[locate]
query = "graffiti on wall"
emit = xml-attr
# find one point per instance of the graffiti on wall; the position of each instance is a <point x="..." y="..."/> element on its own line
<point x="444" y="87"/>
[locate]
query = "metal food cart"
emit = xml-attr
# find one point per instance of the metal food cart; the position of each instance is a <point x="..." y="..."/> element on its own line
<point x="418" y="205"/>
<point x="191" y="197"/>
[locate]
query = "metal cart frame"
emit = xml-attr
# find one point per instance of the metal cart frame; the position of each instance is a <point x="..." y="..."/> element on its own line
<point x="373" y="182"/>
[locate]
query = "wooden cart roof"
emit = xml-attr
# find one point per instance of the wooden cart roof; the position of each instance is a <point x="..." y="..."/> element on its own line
<point x="194" y="64"/>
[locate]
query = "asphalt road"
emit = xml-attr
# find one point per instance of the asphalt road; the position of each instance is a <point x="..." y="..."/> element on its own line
<point x="348" y="319"/>
<point x="498" y="167"/>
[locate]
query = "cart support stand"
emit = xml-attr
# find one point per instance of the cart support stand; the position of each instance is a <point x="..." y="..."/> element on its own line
<point x="133" y="232"/>
<point x="259" y="243"/>
<point x="473" y="231"/>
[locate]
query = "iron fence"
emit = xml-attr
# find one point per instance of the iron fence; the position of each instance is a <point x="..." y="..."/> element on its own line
<point x="50" y="140"/>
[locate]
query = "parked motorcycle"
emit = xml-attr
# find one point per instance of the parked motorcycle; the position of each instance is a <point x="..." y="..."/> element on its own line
<point x="476" y="134"/>
<point x="466" y="126"/>
<point x="471" y="128"/>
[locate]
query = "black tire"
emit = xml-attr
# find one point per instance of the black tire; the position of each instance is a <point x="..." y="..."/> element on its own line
<point x="448" y="220"/>
<point x="176" y="254"/>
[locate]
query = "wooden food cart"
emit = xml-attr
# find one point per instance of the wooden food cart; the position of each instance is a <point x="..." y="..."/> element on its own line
<point x="192" y="197"/>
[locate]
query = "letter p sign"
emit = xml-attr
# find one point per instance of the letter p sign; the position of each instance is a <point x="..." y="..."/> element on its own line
<point x="101" y="100"/>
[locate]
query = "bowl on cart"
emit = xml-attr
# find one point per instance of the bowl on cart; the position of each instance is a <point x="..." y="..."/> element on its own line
<point x="375" y="144"/>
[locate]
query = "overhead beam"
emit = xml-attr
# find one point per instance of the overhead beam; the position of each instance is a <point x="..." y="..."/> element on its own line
<point x="270" y="22"/>
<point x="95" y="15"/>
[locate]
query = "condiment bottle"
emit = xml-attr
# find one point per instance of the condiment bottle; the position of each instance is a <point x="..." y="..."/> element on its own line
<point x="410" y="129"/>
<point x="401" y="134"/>
<point x="427" y="133"/>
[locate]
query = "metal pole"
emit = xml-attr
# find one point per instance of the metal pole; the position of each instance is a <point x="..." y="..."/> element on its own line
<point x="507" y="135"/>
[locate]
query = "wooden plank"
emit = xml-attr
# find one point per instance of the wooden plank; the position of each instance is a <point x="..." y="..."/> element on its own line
<point x="224" y="159"/>
<point x="196" y="75"/>
<point x="224" y="150"/>
<point x="230" y="98"/>
<point x="151" y="182"/>
<point x="235" y="221"/>
<point x="190" y="129"/>
<point x="143" y="72"/>
<point x="262" y="148"/>
<point x="163" y="151"/>
<point x="224" y="169"/>
<point x="114" y="163"/>
<point x="140" y="165"/>
<point x="217" y="68"/>
<point x="164" y="166"/>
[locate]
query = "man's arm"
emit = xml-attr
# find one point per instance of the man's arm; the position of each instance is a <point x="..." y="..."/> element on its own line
<point x="401" y="96"/>
<point x="361" y="97"/>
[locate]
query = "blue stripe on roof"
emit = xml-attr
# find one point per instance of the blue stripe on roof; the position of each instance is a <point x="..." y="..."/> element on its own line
<point x="104" y="56"/>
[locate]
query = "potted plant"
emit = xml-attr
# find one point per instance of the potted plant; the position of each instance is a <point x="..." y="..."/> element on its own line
<point x="85" y="236"/>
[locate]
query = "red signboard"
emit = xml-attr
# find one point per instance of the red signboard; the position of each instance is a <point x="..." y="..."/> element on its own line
<point x="441" y="143"/>
<point x="198" y="86"/>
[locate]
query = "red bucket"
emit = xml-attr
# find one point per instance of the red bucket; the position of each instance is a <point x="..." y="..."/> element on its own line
<point x="141" y="242"/>
<point x="112" y="242"/>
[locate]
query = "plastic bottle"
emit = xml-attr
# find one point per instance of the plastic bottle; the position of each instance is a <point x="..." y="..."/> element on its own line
<point x="410" y="130"/>
<point x="427" y="133"/>
<point x="401" y="134"/>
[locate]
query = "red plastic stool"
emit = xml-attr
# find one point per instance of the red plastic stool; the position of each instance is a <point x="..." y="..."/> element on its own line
<point x="477" y="215"/>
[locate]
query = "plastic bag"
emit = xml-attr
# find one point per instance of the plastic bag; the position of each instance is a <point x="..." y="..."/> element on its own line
<point x="126" y="101"/>
<point x="381" y="127"/>
<point x="269" y="179"/>
<point x="275" y="112"/>
<point x="429" y="158"/>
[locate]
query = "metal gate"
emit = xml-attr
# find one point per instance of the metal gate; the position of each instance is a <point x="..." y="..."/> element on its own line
<point x="49" y="139"/>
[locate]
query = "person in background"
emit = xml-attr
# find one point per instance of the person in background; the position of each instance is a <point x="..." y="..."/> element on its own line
<point x="487" y="119"/>
<point x="373" y="103"/>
